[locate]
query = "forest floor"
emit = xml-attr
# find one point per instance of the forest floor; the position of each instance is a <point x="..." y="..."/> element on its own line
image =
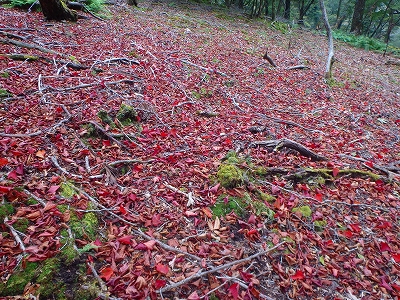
<point x="157" y="155"/>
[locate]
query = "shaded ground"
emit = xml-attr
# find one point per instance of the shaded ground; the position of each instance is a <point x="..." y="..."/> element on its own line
<point x="200" y="87"/>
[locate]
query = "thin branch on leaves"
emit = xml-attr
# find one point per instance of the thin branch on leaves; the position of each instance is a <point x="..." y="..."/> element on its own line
<point x="96" y="203"/>
<point x="109" y="136"/>
<point x="21" y="135"/>
<point x="11" y="35"/>
<point x="129" y="161"/>
<point x="209" y="70"/>
<point x="99" y="280"/>
<point x="15" y="234"/>
<point x="286" y="143"/>
<point x="191" y="198"/>
<point x="291" y="123"/>
<point x="216" y="269"/>
<point x="56" y="164"/>
<point x="40" y="200"/>
<point x="330" y="59"/>
<point x="32" y="46"/>
<point x="299" y="67"/>
<point x="361" y="205"/>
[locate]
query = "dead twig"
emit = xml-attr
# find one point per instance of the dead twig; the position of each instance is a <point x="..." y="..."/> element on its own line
<point x="41" y="201"/>
<point x="216" y="269"/>
<point x="56" y="164"/>
<point x="109" y="136"/>
<point x="209" y="70"/>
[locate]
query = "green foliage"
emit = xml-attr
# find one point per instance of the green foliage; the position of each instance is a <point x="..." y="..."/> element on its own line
<point x="94" y="5"/>
<point x="364" y="42"/>
<point x="4" y="93"/>
<point x="280" y="26"/>
<point x="105" y="118"/>
<point x="5" y="74"/>
<point x="22" y="3"/>
<point x="226" y="204"/>
<point x="18" y="280"/>
<point x="320" y="224"/>
<point x="21" y="225"/>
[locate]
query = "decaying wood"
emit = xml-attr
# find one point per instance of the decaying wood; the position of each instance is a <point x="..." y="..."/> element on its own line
<point x="269" y="59"/>
<point x="216" y="269"/>
<point x="299" y="67"/>
<point x="286" y="143"/>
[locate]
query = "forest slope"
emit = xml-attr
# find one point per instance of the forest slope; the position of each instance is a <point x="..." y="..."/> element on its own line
<point x="159" y="145"/>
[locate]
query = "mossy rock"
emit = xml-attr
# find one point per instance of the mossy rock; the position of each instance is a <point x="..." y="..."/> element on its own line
<point x="67" y="190"/>
<point x="85" y="227"/>
<point x="230" y="176"/>
<point x="21" y="225"/>
<point x="127" y="115"/>
<point x="320" y="224"/>
<point x="105" y="118"/>
<point x="305" y="210"/>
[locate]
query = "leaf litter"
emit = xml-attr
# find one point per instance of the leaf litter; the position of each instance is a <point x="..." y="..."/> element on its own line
<point x="140" y="210"/>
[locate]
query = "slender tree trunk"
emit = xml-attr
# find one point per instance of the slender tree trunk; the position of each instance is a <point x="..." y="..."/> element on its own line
<point x="357" y="21"/>
<point x="338" y="11"/>
<point x="57" y="10"/>
<point x="286" y="13"/>
<point x="273" y="10"/>
<point x="329" y="62"/>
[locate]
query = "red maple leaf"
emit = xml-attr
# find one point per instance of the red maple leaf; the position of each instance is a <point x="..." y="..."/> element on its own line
<point x="3" y="161"/>
<point x="384" y="246"/>
<point x="163" y="269"/>
<point x="159" y="283"/>
<point x="106" y="273"/>
<point x="234" y="290"/>
<point x="126" y="240"/>
<point x="299" y="275"/>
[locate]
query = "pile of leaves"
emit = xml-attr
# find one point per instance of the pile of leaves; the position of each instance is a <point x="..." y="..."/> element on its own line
<point x="158" y="155"/>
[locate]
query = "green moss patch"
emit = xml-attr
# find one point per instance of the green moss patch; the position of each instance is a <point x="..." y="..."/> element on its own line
<point x="230" y="176"/>
<point x="67" y="190"/>
<point x="304" y="210"/>
<point x="6" y="209"/>
<point x="105" y="118"/>
<point x="127" y="115"/>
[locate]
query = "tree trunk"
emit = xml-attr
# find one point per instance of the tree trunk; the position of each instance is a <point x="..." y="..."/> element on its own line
<point x="329" y="62"/>
<point x="132" y="2"/>
<point x="286" y="13"/>
<point x="57" y="10"/>
<point x="357" y="21"/>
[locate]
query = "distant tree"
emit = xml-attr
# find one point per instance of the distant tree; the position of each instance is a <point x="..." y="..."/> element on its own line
<point x="330" y="59"/>
<point x="304" y="6"/>
<point x="357" y="21"/>
<point x="286" y="13"/>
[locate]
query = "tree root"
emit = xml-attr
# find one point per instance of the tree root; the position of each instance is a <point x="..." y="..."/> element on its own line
<point x="289" y="144"/>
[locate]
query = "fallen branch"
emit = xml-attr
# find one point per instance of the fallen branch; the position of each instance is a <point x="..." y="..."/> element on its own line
<point x="15" y="234"/>
<point x="191" y="199"/>
<point x="210" y="70"/>
<point x="288" y="144"/>
<point x="216" y="269"/>
<point x="294" y="124"/>
<point x="299" y="67"/>
<point x="110" y="137"/>
<point x="21" y="135"/>
<point x="41" y="201"/>
<point x="129" y="161"/>
<point x="56" y="164"/>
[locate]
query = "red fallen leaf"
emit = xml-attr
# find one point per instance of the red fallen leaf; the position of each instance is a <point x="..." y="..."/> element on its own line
<point x="246" y="276"/>
<point x="156" y="220"/>
<point x="252" y="219"/>
<point x="335" y="272"/>
<point x="385" y="284"/>
<point x="234" y="290"/>
<point x="106" y="273"/>
<point x="97" y="242"/>
<point x="355" y="228"/>
<point x="396" y="257"/>
<point x="189" y="213"/>
<point x="384" y="225"/>
<point x="12" y="175"/>
<point x="122" y="209"/>
<point x="318" y="197"/>
<point x="163" y="269"/>
<point x="396" y="287"/>
<point x="159" y="283"/>
<point x="189" y="161"/>
<point x="106" y="143"/>
<point x="369" y="164"/>
<point x="335" y="172"/>
<point x="214" y="189"/>
<point x="298" y="275"/>
<point x="20" y="170"/>
<point x="126" y="240"/>
<point x="367" y="272"/>
<point x="193" y="296"/>
<point x="53" y="189"/>
<point x="384" y="247"/>
<point x="40" y="153"/>
<point x="4" y="189"/>
<point x="150" y="244"/>
<point x="330" y="164"/>
<point x="141" y="246"/>
<point x="348" y="234"/>
<point x="3" y="162"/>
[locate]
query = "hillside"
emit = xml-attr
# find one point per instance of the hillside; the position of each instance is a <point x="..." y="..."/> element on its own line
<point x="158" y="155"/>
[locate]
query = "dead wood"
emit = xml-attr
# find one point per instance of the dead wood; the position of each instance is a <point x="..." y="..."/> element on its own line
<point x="15" y="234"/>
<point x="293" y="124"/>
<point x="12" y="35"/>
<point x="109" y="136"/>
<point x="269" y="59"/>
<point x="330" y="59"/>
<point x="299" y="67"/>
<point x="288" y="144"/>
<point x="209" y="70"/>
<point x="216" y="269"/>
<point x="392" y="62"/>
